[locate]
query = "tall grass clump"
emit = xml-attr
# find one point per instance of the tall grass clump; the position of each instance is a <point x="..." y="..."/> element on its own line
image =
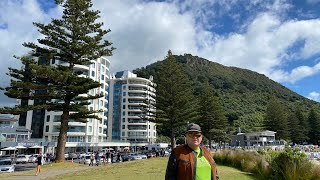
<point x="247" y="161"/>
<point x="293" y="165"/>
<point x="280" y="165"/>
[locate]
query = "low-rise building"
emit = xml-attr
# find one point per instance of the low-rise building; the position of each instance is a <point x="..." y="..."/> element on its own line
<point x="261" y="138"/>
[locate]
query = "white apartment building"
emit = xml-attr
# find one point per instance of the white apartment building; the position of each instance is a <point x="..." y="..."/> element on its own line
<point x="81" y="136"/>
<point x="127" y="95"/>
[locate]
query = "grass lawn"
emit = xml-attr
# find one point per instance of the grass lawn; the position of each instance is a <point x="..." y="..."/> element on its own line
<point x="153" y="169"/>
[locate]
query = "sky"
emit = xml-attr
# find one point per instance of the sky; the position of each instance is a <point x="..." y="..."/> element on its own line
<point x="277" y="38"/>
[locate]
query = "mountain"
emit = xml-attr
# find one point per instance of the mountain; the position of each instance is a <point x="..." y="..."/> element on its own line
<point x="245" y="94"/>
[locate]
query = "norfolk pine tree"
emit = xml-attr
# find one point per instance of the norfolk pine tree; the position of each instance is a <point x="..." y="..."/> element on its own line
<point x="174" y="101"/>
<point x="314" y="122"/>
<point x="75" y="39"/>
<point x="212" y="115"/>
<point x="276" y="119"/>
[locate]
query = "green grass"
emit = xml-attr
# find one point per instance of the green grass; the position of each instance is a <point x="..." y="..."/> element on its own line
<point x="153" y="169"/>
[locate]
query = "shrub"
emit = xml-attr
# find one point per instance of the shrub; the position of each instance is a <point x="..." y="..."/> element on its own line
<point x="280" y="165"/>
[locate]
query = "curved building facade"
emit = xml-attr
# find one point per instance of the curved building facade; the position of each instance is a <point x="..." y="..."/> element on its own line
<point x="129" y="96"/>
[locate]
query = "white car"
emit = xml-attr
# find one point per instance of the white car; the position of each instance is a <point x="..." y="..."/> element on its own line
<point x="135" y="157"/>
<point x="143" y="156"/>
<point x="86" y="159"/>
<point x="21" y="159"/>
<point x="33" y="158"/>
<point x="6" y="166"/>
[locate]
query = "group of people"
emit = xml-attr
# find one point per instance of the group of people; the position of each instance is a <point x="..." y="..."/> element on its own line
<point x="95" y="158"/>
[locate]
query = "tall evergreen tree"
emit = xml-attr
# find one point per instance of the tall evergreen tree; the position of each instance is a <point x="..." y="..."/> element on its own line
<point x="276" y="119"/>
<point x="75" y="39"/>
<point x="296" y="133"/>
<point x="314" y="122"/>
<point x="175" y="101"/>
<point x="212" y="115"/>
<point x="303" y="124"/>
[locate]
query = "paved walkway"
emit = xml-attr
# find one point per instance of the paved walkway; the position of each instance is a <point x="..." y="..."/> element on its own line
<point x="48" y="173"/>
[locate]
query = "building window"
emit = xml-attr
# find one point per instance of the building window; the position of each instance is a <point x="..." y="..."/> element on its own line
<point x="124" y="94"/>
<point x="149" y="126"/>
<point x="123" y="113"/>
<point x="124" y="87"/>
<point x="123" y="119"/>
<point x="47" y="128"/>
<point x="90" y="129"/>
<point x="93" y="65"/>
<point x="123" y="133"/>
<point x="124" y="100"/>
<point x="102" y="77"/>
<point x="123" y="126"/>
<point x="89" y="138"/>
<point x="123" y="106"/>
<point x="92" y="73"/>
<point x="100" y="129"/>
<point x="48" y="118"/>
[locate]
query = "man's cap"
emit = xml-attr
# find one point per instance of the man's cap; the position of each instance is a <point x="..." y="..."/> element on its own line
<point x="192" y="127"/>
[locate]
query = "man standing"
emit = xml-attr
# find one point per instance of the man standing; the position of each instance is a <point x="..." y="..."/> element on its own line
<point x="191" y="161"/>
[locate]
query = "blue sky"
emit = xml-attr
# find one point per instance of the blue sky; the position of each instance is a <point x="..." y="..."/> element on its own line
<point x="278" y="38"/>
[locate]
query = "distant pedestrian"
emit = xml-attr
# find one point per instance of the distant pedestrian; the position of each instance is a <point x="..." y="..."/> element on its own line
<point x="108" y="157"/>
<point x="111" y="154"/>
<point x="97" y="158"/>
<point x="91" y="159"/>
<point x="40" y="161"/>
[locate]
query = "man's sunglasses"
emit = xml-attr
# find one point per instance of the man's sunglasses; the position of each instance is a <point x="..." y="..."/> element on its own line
<point x="194" y="135"/>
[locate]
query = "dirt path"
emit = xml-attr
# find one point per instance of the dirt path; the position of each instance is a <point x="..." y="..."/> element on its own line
<point x="49" y="173"/>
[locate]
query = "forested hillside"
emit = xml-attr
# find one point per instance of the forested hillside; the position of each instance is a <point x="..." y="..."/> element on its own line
<point x="245" y="94"/>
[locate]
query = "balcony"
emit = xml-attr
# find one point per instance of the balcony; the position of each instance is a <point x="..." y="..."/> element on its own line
<point x="81" y="67"/>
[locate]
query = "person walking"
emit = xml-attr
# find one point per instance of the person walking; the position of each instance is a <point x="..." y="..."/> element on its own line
<point x="40" y="162"/>
<point x="91" y="159"/>
<point x="191" y="161"/>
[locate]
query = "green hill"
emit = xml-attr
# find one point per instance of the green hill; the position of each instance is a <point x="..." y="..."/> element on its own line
<point x="244" y="93"/>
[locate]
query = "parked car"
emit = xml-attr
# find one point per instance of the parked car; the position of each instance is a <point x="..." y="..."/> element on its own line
<point x="135" y="156"/>
<point x="86" y="159"/>
<point x="21" y="159"/>
<point x="33" y="158"/>
<point x="125" y="156"/>
<point x="166" y="153"/>
<point x="150" y="154"/>
<point x="72" y="156"/>
<point x="5" y="157"/>
<point x="7" y="166"/>
<point x="143" y="156"/>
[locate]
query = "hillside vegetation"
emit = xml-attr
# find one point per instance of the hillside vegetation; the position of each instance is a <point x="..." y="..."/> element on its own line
<point x="245" y="94"/>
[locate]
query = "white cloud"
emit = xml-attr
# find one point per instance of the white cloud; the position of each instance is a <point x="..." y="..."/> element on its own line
<point x="263" y="47"/>
<point x="143" y="32"/>
<point x="314" y="96"/>
<point x="313" y="1"/>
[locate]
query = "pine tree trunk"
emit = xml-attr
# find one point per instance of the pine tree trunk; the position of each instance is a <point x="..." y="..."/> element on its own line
<point x="173" y="139"/>
<point x="210" y="138"/>
<point x="62" y="136"/>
